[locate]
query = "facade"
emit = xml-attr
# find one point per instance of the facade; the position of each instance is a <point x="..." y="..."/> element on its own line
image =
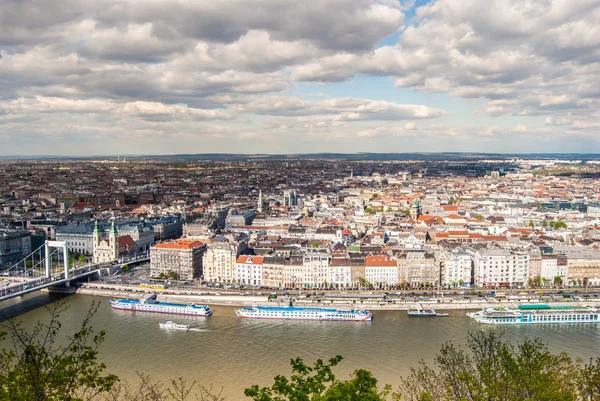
<point x="14" y="245"/>
<point x="316" y="269"/>
<point x="249" y="270"/>
<point x="458" y="268"/>
<point x="142" y="234"/>
<point x="293" y="272"/>
<point x="273" y="268"/>
<point x="583" y="267"/>
<point x="340" y="273"/>
<point x="549" y="268"/>
<point x="105" y="250"/>
<point x="219" y="259"/>
<point x="501" y="267"/>
<point x="78" y="236"/>
<point x="381" y="271"/>
<point x="183" y="257"/>
<point x="290" y="198"/>
<point x="167" y="228"/>
<point x="417" y="269"/>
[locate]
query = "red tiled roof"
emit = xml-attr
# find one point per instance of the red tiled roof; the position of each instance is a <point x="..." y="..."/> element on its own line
<point x="255" y="260"/>
<point x="126" y="241"/>
<point x="379" y="260"/>
<point x="182" y="243"/>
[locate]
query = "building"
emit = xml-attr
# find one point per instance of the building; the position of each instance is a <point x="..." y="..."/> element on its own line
<point x="316" y="269"/>
<point x="273" y="269"/>
<point x="500" y="268"/>
<point x="583" y="267"/>
<point x="183" y="257"/>
<point x="458" y="269"/>
<point x="290" y="198"/>
<point x="249" y="270"/>
<point x="340" y="273"/>
<point x="219" y="260"/>
<point x="549" y="268"/>
<point x="78" y="236"/>
<point x="141" y="233"/>
<point x="105" y="250"/>
<point x="418" y="269"/>
<point x="293" y="272"/>
<point x="381" y="271"/>
<point x="168" y="227"/>
<point x="14" y="245"/>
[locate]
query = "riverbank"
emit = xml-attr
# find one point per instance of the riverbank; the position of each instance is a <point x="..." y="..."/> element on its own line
<point x="250" y="300"/>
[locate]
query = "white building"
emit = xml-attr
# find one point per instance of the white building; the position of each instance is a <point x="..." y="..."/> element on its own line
<point x="218" y="262"/>
<point x="500" y="267"/>
<point x="340" y="272"/>
<point x="248" y="270"/>
<point x="381" y="271"/>
<point x="550" y="268"/>
<point x="316" y="269"/>
<point x="458" y="268"/>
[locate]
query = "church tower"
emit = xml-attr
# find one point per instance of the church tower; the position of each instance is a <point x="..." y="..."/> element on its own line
<point x="95" y="236"/>
<point x="260" y="201"/>
<point x="113" y="240"/>
<point x="415" y="212"/>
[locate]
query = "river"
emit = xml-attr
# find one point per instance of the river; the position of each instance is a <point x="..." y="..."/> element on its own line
<point x="235" y="353"/>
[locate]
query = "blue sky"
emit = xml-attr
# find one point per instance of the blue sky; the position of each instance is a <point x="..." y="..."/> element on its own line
<point x="258" y="76"/>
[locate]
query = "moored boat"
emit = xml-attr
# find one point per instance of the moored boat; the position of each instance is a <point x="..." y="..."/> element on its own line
<point x="294" y="313"/>
<point x="537" y="314"/>
<point x="152" y="305"/>
<point x="419" y="311"/>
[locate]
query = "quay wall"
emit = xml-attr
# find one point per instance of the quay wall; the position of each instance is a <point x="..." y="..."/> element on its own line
<point x="249" y="300"/>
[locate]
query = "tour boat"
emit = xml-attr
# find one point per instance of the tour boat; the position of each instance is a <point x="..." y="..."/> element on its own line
<point x="293" y="313"/>
<point x="422" y="312"/>
<point x="173" y="325"/>
<point x="537" y="314"/>
<point x="152" y="305"/>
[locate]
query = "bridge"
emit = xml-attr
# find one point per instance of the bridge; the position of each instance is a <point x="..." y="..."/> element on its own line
<point x="50" y="266"/>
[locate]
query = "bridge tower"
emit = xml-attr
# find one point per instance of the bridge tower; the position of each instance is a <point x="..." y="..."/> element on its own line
<point x="48" y="246"/>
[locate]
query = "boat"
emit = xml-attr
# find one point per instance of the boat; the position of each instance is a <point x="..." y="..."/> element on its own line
<point x="173" y="325"/>
<point x="419" y="311"/>
<point x="150" y="304"/>
<point x="294" y="313"/>
<point x="537" y="314"/>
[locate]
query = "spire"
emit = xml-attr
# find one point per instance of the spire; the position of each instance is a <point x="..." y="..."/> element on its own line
<point x="96" y="229"/>
<point x="260" y="201"/>
<point x="113" y="229"/>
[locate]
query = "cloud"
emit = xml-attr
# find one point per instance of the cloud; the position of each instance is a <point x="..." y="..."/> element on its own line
<point x="345" y="109"/>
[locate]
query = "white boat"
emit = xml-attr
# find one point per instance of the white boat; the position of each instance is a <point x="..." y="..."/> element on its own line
<point x="175" y="326"/>
<point x="293" y="313"/>
<point x="152" y="305"/>
<point x="537" y="314"/>
<point x="419" y="311"/>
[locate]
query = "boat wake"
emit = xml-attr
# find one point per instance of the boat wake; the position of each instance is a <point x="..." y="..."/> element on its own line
<point x="198" y="330"/>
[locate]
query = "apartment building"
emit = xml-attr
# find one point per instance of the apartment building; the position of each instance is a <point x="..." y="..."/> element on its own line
<point x="381" y="271"/>
<point x="182" y="256"/>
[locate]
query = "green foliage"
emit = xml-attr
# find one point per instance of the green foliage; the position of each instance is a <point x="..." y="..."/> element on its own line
<point x="492" y="369"/>
<point x="125" y="268"/>
<point x="479" y="217"/>
<point x="558" y="280"/>
<point x="558" y="224"/>
<point x="173" y="275"/>
<point x="81" y="259"/>
<point x="319" y="383"/>
<point x="545" y="223"/>
<point x="36" y="368"/>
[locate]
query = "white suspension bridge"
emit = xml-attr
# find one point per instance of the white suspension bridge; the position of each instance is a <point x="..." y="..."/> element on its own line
<point x="47" y="266"/>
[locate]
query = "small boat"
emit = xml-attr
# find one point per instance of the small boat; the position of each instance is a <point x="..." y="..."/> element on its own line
<point x="422" y="312"/>
<point x="173" y="325"/>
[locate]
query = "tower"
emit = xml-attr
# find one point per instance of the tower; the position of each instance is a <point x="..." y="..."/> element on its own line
<point x="260" y="201"/>
<point x="113" y="240"/>
<point x="95" y="236"/>
<point x="415" y="212"/>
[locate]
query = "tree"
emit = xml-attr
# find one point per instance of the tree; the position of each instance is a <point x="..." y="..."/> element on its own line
<point x="82" y="259"/>
<point x="125" y="268"/>
<point x="319" y="383"/>
<point x="173" y="275"/>
<point x="479" y="217"/>
<point x="545" y="223"/>
<point x="36" y="368"/>
<point x="558" y="280"/>
<point x="531" y="224"/>
<point x="492" y="369"/>
<point x="537" y="281"/>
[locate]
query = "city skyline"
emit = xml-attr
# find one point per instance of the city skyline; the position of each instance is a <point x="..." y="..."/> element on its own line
<point x="261" y="77"/>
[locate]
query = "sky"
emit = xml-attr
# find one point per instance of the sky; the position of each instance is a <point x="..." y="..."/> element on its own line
<point x="108" y="77"/>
